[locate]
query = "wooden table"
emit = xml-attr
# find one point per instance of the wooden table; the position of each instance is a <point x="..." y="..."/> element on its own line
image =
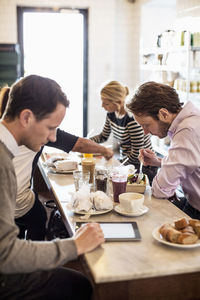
<point x="135" y="270"/>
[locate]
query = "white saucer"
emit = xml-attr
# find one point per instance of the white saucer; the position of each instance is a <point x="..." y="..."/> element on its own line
<point x="54" y="170"/>
<point x="143" y="210"/>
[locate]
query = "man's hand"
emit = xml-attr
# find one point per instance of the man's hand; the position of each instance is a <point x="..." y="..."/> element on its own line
<point x="107" y="153"/>
<point x="88" y="237"/>
<point x="149" y="158"/>
<point x="84" y="145"/>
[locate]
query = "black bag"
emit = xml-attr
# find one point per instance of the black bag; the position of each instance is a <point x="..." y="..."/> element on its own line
<point x="55" y="227"/>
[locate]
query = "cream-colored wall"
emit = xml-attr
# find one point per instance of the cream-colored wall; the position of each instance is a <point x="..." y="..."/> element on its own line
<point x="188" y="8"/>
<point x="113" y="42"/>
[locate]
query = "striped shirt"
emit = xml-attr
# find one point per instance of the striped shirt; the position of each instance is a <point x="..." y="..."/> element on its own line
<point x="127" y="132"/>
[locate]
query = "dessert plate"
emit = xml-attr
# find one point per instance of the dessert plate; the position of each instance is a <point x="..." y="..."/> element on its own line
<point x="92" y="212"/>
<point x="144" y="209"/>
<point x="54" y="170"/>
<point x="158" y="237"/>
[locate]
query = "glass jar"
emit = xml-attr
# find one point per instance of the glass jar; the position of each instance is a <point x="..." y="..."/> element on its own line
<point x="88" y="164"/>
<point x="101" y="180"/>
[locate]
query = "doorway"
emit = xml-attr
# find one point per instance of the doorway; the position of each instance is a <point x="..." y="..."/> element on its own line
<point x="54" y="44"/>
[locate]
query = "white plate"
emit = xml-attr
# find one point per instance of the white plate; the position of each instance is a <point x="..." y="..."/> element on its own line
<point x="53" y="170"/>
<point x="94" y="154"/>
<point x="97" y="154"/>
<point x="158" y="237"/>
<point x="92" y="212"/>
<point x="144" y="209"/>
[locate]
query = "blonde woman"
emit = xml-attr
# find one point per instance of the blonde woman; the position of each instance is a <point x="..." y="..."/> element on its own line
<point x="123" y="126"/>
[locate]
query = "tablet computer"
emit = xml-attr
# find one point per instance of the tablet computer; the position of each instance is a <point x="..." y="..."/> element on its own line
<point x="120" y="231"/>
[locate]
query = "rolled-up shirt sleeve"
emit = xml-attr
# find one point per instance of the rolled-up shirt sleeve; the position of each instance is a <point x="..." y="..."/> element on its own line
<point x="181" y="161"/>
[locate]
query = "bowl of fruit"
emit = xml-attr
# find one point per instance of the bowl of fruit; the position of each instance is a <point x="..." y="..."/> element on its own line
<point x="134" y="186"/>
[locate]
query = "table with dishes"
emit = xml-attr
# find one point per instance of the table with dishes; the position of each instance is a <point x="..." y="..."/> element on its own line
<point x="151" y="268"/>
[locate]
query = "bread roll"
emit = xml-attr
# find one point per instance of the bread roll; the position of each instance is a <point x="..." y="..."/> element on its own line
<point x="194" y="222"/>
<point x="188" y="229"/>
<point x="173" y="235"/>
<point x="181" y="223"/>
<point x="164" y="230"/>
<point x="195" y="225"/>
<point x="187" y="238"/>
<point x="169" y="233"/>
<point x="197" y="230"/>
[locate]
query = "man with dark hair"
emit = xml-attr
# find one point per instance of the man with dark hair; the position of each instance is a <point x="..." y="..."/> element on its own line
<point x="30" y="214"/>
<point x="158" y="110"/>
<point x="29" y="269"/>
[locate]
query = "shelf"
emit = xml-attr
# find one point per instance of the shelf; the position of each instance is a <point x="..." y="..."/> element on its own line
<point x="151" y="67"/>
<point x="181" y="69"/>
<point x="195" y="48"/>
<point x="171" y="50"/>
<point x="165" y="50"/>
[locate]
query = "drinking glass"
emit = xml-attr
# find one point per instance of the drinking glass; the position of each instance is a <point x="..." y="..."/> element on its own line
<point x="119" y="182"/>
<point x="80" y="178"/>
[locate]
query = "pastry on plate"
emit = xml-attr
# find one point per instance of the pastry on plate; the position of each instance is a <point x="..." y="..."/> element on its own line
<point x="182" y="232"/>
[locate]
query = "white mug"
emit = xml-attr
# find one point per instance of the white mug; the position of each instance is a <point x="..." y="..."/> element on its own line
<point x="131" y="202"/>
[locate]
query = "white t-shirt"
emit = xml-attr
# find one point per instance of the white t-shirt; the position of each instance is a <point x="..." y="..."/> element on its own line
<point x="23" y="168"/>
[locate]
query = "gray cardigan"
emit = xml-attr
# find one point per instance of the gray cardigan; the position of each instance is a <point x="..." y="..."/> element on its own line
<point x="22" y="256"/>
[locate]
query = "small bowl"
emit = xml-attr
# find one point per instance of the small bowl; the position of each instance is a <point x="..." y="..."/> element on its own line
<point x="137" y="187"/>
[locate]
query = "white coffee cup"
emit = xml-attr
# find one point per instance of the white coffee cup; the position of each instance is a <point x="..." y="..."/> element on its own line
<point x="131" y="202"/>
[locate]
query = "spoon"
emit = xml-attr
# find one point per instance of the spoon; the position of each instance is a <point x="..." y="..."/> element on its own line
<point x="124" y="161"/>
<point x="140" y="175"/>
<point x="85" y="217"/>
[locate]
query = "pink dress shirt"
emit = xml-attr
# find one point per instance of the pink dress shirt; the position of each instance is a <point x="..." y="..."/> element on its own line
<point x="182" y="164"/>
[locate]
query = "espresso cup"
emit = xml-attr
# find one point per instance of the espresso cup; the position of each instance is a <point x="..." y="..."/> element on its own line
<point x="131" y="202"/>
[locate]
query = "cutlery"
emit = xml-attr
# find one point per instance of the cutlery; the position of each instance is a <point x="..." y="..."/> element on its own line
<point x="140" y="175"/>
<point x="124" y="161"/>
<point x="85" y="217"/>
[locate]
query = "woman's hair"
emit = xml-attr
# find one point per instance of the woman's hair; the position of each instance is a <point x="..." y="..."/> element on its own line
<point x="114" y="92"/>
<point x="4" y="94"/>
<point x="151" y="96"/>
<point x="39" y="94"/>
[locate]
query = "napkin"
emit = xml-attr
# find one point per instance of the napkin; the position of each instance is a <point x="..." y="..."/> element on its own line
<point x="66" y="165"/>
<point x="102" y="201"/>
<point x="82" y="200"/>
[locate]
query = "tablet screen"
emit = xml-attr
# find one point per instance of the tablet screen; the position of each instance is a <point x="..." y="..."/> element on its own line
<point x="113" y="230"/>
<point x="120" y="231"/>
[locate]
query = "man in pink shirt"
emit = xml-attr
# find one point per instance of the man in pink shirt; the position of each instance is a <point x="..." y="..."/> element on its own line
<point x="157" y="108"/>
